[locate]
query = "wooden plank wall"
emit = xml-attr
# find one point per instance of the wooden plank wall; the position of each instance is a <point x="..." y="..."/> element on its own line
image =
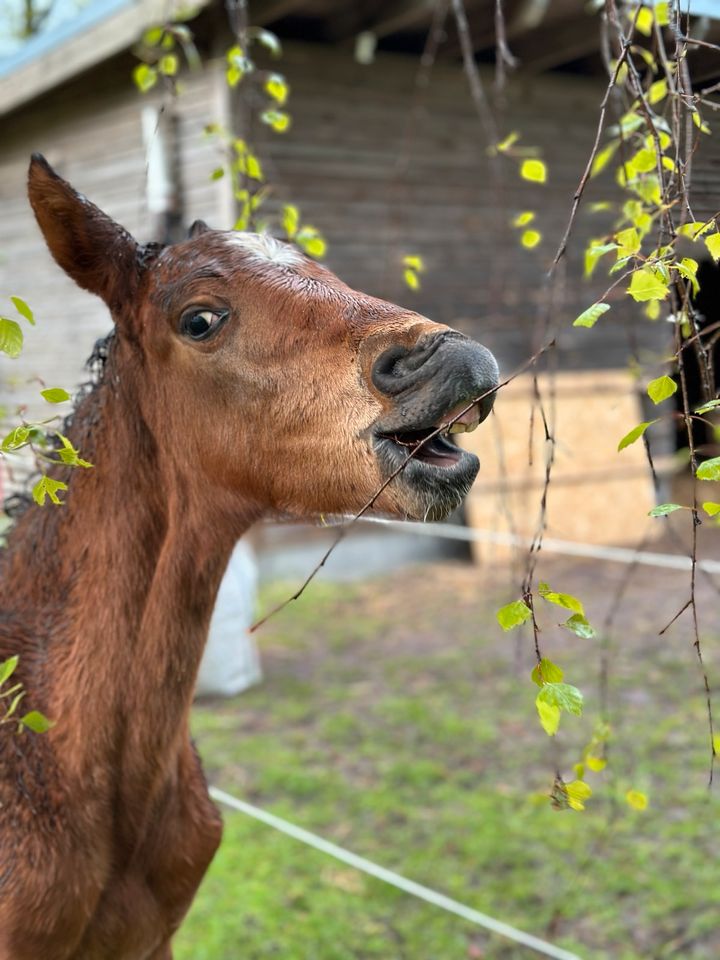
<point x="382" y="181"/>
<point x="90" y="130"/>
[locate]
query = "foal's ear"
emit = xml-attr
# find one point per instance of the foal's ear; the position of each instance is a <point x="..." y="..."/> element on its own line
<point x="96" y="252"/>
<point x="197" y="229"/>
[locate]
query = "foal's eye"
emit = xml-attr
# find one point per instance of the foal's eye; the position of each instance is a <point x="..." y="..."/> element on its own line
<point x="200" y="324"/>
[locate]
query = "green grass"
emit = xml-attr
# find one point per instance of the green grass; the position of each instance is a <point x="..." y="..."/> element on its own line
<point x="396" y="720"/>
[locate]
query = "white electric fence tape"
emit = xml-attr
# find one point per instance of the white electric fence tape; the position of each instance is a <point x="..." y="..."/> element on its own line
<point x="394" y="879"/>
<point x="571" y="548"/>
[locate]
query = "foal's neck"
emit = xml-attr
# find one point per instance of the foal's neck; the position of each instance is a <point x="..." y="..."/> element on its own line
<point x="135" y="557"/>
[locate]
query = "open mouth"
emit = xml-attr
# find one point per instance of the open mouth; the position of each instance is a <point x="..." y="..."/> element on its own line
<point x="433" y="445"/>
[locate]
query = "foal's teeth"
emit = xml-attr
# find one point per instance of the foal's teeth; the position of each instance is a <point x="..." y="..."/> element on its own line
<point x="457" y="428"/>
<point x="472" y="426"/>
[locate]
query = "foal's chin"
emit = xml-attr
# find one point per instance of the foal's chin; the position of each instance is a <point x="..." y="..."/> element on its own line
<point x="424" y="491"/>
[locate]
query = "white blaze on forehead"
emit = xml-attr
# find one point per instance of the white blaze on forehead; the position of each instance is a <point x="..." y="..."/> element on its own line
<point x="266" y="248"/>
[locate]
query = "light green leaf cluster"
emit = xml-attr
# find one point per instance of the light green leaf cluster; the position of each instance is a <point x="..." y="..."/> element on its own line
<point x="10" y="699"/>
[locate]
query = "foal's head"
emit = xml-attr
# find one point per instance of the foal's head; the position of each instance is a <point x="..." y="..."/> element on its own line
<point x="268" y="377"/>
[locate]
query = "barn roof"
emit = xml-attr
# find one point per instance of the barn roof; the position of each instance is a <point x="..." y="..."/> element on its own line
<point x="542" y="34"/>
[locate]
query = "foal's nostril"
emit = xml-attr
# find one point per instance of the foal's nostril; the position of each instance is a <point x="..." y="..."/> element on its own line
<point x="448" y="355"/>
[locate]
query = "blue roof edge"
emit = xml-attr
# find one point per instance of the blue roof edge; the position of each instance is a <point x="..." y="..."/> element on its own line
<point x="38" y="46"/>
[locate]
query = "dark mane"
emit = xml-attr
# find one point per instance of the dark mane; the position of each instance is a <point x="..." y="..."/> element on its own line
<point x="17" y="504"/>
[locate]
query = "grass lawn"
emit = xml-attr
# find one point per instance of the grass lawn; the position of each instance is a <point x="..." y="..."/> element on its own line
<point x="398" y="721"/>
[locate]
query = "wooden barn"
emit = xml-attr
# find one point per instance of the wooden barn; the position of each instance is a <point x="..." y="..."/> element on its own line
<point x="387" y="157"/>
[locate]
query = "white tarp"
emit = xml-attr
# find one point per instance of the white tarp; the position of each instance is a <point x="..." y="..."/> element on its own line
<point x="230" y="662"/>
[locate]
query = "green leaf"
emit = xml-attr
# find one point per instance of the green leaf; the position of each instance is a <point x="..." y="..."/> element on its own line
<point x="254" y="170"/>
<point x="153" y="36"/>
<point x="24" y="310"/>
<point x="268" y="40"/>
<point x="7" y="668"/>
<point x="710" y="508"/>
<point x="530" y="238"/>
<point x="15" y="701"/>
<point x="546" y="672"/>
<point x="580" y="626"/>
<point x="17" y="438"/>
<point x="68" y="454"/>
<point x="414" y="262"/>
<point x="218" y="173"/>
<point x="662" y="12"/>
<point x="589" y="317"/>
<point x="644" y="21"/>
<point x="523" y="219"/>
<point x="603" y="158"/>
<point x="145" y="77"/>
<point x="699" y="122"/>
<point x="276" y="86"/>
<point x="710" y="405"/>
<point x="36" y="721"/>
<point x="577" y="793"/>
<point x="534" y="170"/>
<point x="315" y="246"/>
<point x="277" y="119"/>
<point x="47" y="487"/>
<point x="564" y="696"/>
<point x="169" y="64"/>
<point x="643" y="161"/>
<point x="561" y="599"/>
<point x="636" y="799"/>
<point x="311" y="241"/>
<point x="635" y="434"/>
<point x="595" y="250"/>
<point x="628" y="242"/>
<point x="712" y="242"/>
<point x="411" y="279"/>
<point x="291" y="220"/>
<point x="549" y="716"/>
<point x="709" y="470"/>
<point x="688" y="268"/>
<point x="646" y="284"/>
<point x="55" y="395"/>
<point x="508" y="142"/>
<point x="596" y="764"/>
<point x="661" y="388"/>
<point x="663" y="509"/>
<point x="513" y="614"/>
<point x="657" y="92"/>
<point x="11" y="337"/>
<point x="695" y="229"/>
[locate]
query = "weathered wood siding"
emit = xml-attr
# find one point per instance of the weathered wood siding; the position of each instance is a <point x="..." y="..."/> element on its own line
<point x="90" y="130"/>
<point x="382" y="179"/>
